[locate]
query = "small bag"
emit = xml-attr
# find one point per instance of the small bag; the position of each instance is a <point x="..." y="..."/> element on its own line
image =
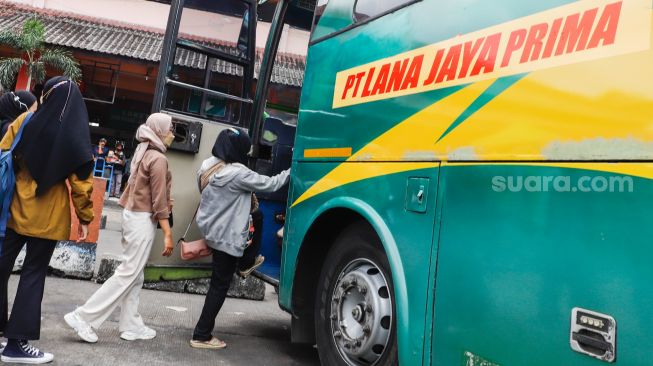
<point x="193" y="249"/>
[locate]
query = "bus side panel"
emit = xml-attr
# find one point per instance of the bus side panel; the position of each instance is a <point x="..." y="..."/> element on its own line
<point x="381" y="198"/>
<point x="513" y="262"/>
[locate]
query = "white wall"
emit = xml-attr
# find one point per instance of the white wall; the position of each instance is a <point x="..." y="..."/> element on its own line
<point x="155" y="15"/>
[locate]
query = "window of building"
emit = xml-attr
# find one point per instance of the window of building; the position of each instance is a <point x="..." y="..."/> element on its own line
<point x="99" y="81"/>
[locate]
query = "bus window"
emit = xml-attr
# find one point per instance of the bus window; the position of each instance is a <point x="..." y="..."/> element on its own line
<point x="366" y="9"/>
<point x="319" y="10"/>
<point x="194" y="102"/>
<point x="330" y="18"/>
<point x="202" y="75"/>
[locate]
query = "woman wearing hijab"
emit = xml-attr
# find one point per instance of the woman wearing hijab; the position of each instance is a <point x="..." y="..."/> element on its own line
<point x="55" y="147"/>
<point x="13" y="105"/>
<point x="146" y="201"/>
<point x="223" y="219"/>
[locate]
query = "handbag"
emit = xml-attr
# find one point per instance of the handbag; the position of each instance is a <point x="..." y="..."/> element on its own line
<point x="193" y="249"/>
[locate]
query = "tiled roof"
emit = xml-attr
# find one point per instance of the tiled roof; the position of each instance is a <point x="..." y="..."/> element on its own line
<point x="113" y="38"/>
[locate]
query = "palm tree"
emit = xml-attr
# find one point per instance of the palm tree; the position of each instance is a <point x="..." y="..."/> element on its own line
<point x="35" y="56"/>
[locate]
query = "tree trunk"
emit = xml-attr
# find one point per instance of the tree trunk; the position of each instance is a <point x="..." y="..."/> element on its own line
<point x="24" y="79"/>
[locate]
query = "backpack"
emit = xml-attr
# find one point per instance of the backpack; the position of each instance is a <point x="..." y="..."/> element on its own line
<point x="8" y="179"/>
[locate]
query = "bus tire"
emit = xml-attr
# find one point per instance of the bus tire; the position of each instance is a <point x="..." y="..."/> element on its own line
<point x="355" y="306"/>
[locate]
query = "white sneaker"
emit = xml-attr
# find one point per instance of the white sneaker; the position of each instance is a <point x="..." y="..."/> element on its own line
<point x="142" y="333"/>
<point x="83" y="329"/>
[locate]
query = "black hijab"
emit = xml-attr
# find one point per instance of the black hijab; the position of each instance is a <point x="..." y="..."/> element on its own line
<point x="13" y="105"/>
<point x="56" y="142"/>
<point x="232" y="146"/>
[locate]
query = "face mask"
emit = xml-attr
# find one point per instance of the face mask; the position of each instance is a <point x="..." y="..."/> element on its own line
<point x="169" y="139"/>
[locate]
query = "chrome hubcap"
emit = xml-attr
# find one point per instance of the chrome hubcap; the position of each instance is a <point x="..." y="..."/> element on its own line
<point x="361" y="313"/>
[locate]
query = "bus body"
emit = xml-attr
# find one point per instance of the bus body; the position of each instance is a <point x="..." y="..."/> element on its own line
<point x="471" y="183"/>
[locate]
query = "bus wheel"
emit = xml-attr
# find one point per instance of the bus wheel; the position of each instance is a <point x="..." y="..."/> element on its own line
<point x="354" y="310"/>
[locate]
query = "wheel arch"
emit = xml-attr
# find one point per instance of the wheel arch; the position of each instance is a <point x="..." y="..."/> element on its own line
<point x="326" y="224"/>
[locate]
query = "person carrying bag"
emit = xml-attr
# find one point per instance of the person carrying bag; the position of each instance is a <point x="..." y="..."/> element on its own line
<point x="54" y="147"/>
<point x="196" y="249"/>
<point x="224" y="220"/>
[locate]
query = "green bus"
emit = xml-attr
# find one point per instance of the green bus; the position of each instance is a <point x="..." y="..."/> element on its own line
<point x="471" y="184"/>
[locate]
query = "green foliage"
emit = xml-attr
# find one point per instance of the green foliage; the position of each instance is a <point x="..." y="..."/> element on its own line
<point x="62" y="60"/>
<point x="31" y="42"/>
<point x="10" y="39"/>
<point x="9" y="68"/>
<point x="37" y="71"/>
<point x="33" y="35"/>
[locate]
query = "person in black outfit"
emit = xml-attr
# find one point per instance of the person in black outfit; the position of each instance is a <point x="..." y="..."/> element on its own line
<point x="12" y="105"/>
<point x="54" y="148"/>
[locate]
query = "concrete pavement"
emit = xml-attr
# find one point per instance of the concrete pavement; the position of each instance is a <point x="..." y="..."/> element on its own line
<point x="257" y="332"/>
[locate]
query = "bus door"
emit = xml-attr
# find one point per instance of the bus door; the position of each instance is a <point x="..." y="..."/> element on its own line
<point x="274" y="137"/>
<point x="275" y="156"/>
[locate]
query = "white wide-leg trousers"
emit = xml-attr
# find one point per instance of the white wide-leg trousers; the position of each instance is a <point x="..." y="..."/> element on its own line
<point x="124" y="287"/>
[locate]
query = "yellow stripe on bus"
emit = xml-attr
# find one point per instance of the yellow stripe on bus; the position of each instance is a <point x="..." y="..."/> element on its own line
<point x="350" y="172"/>
<point x="407" y="135"/>
<point x="342" y="152"/>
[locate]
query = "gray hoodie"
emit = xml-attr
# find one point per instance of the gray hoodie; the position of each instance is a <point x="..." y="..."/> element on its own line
<point x="223" y="216"/>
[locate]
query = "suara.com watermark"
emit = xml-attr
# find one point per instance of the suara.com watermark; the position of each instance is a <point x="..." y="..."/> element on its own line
<point x="561" y="183"/>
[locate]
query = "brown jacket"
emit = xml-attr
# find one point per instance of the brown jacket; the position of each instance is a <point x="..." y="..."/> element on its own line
<point x="149" y="188"/>
<point x="47" y="216"/>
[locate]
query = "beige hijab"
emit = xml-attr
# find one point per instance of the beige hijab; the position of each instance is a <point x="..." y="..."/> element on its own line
<point x="151" y="133"/>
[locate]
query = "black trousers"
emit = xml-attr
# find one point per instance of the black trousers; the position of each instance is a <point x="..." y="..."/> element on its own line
<point x="224" y="267"/>
<point x="25" y="321"/>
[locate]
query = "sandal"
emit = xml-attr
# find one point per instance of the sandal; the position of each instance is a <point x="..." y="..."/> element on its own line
<point x="214" y="343"/>
<point x="257" y="263"/>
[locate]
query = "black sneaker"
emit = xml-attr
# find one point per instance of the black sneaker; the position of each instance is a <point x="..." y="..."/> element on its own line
<point x="22" y="352"/>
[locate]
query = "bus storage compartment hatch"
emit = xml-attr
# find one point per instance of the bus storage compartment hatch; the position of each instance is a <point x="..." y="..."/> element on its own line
<point x="593" y="334"/>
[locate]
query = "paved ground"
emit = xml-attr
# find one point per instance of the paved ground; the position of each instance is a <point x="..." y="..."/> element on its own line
<point x="109" y="244"/>
<point x="257" y="333"/>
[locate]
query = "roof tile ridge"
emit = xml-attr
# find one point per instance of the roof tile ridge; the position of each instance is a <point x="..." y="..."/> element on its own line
<point x="133" y="27"/>
<point x="82" y="17"/>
